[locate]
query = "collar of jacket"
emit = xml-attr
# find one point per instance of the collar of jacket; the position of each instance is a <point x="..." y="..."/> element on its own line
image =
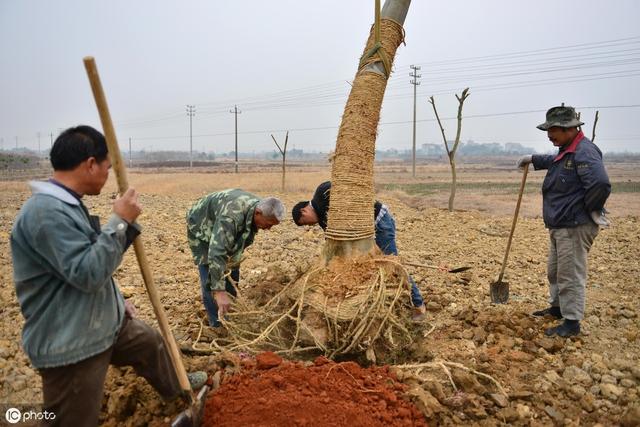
<point x="571" y="148"/>
<point x="43" y="187"/>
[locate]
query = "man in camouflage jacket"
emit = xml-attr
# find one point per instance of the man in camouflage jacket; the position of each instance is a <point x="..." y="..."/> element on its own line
<point x="219" y="227"/>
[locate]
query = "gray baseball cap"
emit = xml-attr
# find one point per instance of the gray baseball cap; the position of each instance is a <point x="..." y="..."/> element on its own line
<point x="564" y="117"/>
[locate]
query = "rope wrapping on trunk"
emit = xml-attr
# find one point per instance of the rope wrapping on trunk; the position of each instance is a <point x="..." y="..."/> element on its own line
<point x="352" y="193"/>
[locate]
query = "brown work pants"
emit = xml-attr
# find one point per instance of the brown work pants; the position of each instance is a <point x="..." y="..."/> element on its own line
<point x="74" y="392"/>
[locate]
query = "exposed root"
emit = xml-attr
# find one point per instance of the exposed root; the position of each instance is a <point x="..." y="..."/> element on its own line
<point x="357" y="300"/>
<point x="444" y="365"/>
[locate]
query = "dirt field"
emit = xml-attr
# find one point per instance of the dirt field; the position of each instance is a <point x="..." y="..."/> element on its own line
<point x="592" y="379"/>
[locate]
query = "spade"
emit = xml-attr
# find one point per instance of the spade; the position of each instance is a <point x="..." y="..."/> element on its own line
<point x="500" y="289"/>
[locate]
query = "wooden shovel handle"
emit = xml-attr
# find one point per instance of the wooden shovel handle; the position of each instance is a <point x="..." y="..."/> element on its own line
<point x="121" y="177"/>
<point x="515" y="220"/>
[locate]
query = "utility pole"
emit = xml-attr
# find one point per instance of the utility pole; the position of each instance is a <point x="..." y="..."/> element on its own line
<point x="415" y="84"/>
<point x="1" y="144"/>
<point x="129" y="152"/>
<point x="38" y="144"/>
<point x="236" y="112"/>
<point x="16" y="143"/>
<point x="191" y="111"/>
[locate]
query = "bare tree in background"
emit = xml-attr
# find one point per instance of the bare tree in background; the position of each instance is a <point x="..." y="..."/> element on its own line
<point x="283" y="152"/>
<point x="593" y="131"/>
<point x="451" y="153"/>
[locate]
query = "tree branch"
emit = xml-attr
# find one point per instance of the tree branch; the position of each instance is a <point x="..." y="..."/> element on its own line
<point x="435" y="111"/>
<point x="595" y="122"/>
<point x="278" y="145"/>
<point x="465" y="94"/>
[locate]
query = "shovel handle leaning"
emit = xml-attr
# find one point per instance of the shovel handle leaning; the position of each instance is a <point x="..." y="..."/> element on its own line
<point x="513" y="224"/>
<point x="121" y="177"/>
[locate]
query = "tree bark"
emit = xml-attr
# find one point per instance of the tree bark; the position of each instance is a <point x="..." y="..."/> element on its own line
<point x="452" y="195"/>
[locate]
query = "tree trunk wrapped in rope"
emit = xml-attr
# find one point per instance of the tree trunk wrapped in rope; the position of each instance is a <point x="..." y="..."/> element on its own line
<point x="359" y="301"/>
<point x="350" y="223"/>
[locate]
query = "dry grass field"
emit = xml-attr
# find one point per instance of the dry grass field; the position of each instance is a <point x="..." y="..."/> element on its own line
<point x="591" y="379"/>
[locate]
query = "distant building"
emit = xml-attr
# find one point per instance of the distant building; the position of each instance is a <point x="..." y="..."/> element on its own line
<point x="432" y="150"/>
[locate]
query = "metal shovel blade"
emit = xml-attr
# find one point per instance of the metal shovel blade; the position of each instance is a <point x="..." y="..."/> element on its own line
<point x="499" y="292"/>
<point x="192" y="417"/>
<point x="435" y="267"/>
<point x="459" y="269"/>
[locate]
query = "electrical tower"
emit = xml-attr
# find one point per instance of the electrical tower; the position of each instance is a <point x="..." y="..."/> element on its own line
<point x="235" y="111"/>
<point x="415" y="84"/>
<point x="191" y="111"/>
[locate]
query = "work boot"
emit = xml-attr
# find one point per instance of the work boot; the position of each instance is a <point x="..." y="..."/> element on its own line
<point x="569" y="328"/>
<point x="197" y="379"/>
<point x="419" y="313"/>
<point x="549" y="311"/>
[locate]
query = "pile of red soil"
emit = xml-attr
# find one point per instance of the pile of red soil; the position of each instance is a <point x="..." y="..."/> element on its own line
<point x="273" y="392"/>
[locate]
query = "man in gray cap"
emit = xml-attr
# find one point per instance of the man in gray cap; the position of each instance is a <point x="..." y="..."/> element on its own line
<point x="574" y="192"/>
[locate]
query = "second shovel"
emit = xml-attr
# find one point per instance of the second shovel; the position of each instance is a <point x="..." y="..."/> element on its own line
<point x="500" y="289"/>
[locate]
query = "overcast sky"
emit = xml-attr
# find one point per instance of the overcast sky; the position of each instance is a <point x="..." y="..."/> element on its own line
<point x="287" y="63"/>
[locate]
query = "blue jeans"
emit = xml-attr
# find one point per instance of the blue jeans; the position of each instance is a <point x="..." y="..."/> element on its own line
<point x="386" y="241"/>
<point x="207" y="296"/>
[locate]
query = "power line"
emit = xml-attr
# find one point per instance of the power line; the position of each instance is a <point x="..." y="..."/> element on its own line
<point x="317" y="94"/>
<point x="472" y="116"/>
<point x="587" y="46"/>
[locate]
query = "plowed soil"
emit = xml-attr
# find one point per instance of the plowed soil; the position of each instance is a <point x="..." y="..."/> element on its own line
<point x="471" y="362"/>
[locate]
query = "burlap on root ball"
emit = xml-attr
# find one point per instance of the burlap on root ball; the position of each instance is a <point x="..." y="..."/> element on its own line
<point x="351" y="305"/>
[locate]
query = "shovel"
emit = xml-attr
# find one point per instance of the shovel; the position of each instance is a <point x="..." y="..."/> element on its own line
<point x="191" y="416"/>
<point x="499" y="289"/>
<point x="435" y="267"/>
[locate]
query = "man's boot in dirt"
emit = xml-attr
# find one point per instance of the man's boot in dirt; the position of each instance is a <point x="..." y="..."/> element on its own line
<point x="419" y="313"/>
<point x="553" y="311"/>
<point x="569" y="328"/>
<point x="197" y="379"/>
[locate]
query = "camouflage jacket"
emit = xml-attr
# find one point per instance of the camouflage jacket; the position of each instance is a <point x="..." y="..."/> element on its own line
<point x="219" y="227"/>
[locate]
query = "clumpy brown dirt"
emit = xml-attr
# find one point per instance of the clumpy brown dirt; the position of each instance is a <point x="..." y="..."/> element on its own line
<point x="463" y="357"/>
<point x="272" y="392"/>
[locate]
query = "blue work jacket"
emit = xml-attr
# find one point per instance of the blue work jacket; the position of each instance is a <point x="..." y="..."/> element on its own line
<point x="575" y="185"/>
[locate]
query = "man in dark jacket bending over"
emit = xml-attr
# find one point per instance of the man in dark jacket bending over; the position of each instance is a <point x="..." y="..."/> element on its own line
<point x="315" y="212"/>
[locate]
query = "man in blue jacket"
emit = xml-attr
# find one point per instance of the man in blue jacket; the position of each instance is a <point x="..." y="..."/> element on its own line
<point x="574" y="192"/>
<point x="76" y="320"/>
